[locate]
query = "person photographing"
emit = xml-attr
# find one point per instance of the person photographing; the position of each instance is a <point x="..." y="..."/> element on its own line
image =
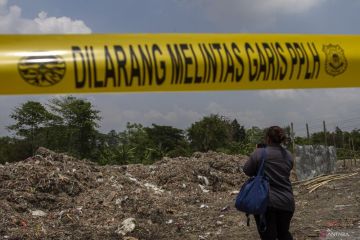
<point x="277" y="167"/>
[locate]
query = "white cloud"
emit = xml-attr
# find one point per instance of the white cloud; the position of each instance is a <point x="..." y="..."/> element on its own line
<point x="281" y="94"/>
<point x="11" y="21"/>
<point x="155" y="115"/>
<point x="215" y="108"/>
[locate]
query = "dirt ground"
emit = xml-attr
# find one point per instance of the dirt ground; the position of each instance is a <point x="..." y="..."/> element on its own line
<point x="54" y="196"/>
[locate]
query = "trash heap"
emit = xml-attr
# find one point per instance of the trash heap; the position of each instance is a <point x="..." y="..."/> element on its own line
<point x="55" y="196"/>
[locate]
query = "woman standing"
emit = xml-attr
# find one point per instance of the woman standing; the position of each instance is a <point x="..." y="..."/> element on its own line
<point x="278" y="165"/>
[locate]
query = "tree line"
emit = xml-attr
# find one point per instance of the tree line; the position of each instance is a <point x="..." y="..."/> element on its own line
<point x="70" y="124"/>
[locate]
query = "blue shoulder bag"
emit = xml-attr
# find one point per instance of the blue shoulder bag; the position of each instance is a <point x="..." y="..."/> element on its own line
<point x="254" y="194"/>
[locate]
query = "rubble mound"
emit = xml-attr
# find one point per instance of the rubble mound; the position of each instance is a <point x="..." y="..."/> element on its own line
<point x="55" y="196"/>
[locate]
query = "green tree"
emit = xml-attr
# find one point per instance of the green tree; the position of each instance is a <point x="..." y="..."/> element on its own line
<point x="301" y="141"/>
<point x="318" y="138"/>
<point x="112" y="138"/>
<point x="78" y="123"/>
<point x="12" y="149"/>
<point x="138" y="144"/>
<point x="339" y="137"/>
<point x="167" y="140"/>
<point x="254" y="136"/>
<point x="238" y="133"/>
<point x="210" y="133"/>
<point x="135" y="145"/>
<point x="355" y="139"/>
<point x="30" y="117"/>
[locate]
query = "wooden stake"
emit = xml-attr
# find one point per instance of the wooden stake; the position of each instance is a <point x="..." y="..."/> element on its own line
<point x="325" y="133"/>
<point x="308" y="133"/>
<point x="316" y="186"/>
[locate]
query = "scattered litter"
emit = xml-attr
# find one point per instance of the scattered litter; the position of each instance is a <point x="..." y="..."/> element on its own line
<point x="128" y="225"/>
<point x="202" y="237"/>
<point x="119" y="201"/>
<point x="204" y="189"/>
<point x="341" y="206"/>
<point x="131" y="178"/>
<point x="156" y="189"/>
<point x="79" y="209"/>
<point x="44" y="198"/>
<point x="224" y="209"/>
<point x="38" y="213"/>
<point x="234" y="192"/>
<point x="130" y="238"/>
<point x="204" y="180"/>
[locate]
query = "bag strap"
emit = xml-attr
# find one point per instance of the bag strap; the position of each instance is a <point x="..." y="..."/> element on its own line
<point x="285" y="154"/>
<point x="262" y="223"/>
<point x="263" y="157"/>
<point x="248" y="220"/>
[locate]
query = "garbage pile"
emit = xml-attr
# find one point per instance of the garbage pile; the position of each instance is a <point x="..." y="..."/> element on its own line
<point x="55" y="196"/>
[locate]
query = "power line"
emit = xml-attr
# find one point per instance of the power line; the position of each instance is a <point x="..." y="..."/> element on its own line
<point x="355" y="112"/>
<point x="346" y="126"/>
<point x="333" y="123"/>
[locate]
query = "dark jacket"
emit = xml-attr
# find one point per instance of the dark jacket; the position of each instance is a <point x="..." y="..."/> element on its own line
<point x="278" y="165"/>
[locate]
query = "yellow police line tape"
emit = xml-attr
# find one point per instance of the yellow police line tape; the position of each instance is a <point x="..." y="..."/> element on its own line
<point x="32" y="64"/>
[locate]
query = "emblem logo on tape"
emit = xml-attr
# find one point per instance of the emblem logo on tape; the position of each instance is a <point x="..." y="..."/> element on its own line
<point x="42" y="70"/>
<point x="335" y="63"/>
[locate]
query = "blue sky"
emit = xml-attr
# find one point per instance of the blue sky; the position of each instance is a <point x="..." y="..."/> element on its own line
<point x="263" y="108"/>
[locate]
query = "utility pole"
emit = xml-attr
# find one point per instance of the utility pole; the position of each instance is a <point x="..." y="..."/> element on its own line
<point x="325" y="133"/>
<point x="308" y="133"/>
